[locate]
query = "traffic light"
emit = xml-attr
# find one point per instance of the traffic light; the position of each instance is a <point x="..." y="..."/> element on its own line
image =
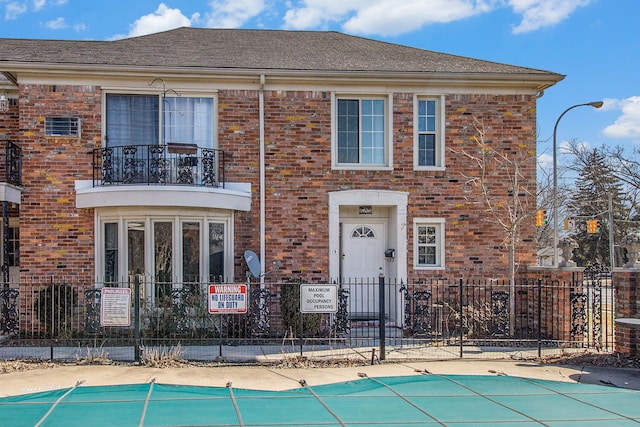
<point x="541" y="217"/>
<point x="593" y="226"/>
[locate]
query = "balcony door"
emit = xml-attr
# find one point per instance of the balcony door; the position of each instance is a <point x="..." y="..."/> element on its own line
<point x="143" y="120"/>
<point x="139" y="128"/>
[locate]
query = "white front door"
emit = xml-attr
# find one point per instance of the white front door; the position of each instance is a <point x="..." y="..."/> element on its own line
<point x="363" y="261"/>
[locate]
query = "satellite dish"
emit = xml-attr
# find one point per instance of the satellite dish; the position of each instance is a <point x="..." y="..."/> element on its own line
<point x="253" y="263"/>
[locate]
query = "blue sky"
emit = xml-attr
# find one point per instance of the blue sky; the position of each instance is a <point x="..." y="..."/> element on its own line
<point x="595" y="43"/>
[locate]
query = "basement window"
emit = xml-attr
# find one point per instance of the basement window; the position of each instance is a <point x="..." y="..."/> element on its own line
<point x="62" y="126"/>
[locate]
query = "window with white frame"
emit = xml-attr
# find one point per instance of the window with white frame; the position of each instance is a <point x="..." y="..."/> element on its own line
<point x="428" y="133"/>
<point x="143" y="119"/>
<point x="428" y="243"/>
<point x="361" y="132"/>
<point x="165" y="249"/>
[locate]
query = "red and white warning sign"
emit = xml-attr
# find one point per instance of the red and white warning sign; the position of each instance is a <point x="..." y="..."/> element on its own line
<point x="228" y="299"/>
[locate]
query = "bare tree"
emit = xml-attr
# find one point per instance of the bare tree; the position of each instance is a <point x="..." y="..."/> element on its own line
<point x="626" y="167"/>
<point x="549" y="199"/>
<point x="507" y="192"/>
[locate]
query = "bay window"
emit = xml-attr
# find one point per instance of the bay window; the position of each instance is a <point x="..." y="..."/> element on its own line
<point x="163" y="249"/>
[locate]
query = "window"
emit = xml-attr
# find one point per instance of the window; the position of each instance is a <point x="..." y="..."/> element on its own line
<point x="363" y="232"/>
<point x="110" y="256"/>
<point x="428" y="133"/>
<point x="135" y="120"/>
<point x="157" y="139"/>
<point x="189" y="120"/>
<point x="428" y="243"/>
<point x="14" y="246"/>
<point x="361" y="137"/>
<point x="164" y="250"/>
<point x="62" y="126"/>
<point x="132" y="120"/>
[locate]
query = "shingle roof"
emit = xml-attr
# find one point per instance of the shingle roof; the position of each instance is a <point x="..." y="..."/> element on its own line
<point x="251" y="49"/>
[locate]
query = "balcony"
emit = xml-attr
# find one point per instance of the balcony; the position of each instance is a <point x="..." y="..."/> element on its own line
<point x="170" y="164"/>
<point x="181" y="175"/>
<point x="11" y="167"/>
<point x="10" y="172"/>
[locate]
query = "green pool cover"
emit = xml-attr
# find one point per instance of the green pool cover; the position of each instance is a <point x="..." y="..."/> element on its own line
<point x="423" y="400"/>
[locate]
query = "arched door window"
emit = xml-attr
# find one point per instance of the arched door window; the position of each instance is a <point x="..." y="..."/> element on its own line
<point x="363" y="231"/>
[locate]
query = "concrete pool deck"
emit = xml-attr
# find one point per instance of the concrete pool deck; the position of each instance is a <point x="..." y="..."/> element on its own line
<point x="278" y="378"/>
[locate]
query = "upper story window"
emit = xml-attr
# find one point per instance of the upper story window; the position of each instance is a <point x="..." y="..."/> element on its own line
<point x="62" y="126"/>
<point x="189" y="120"/>
<point x="145" y="119"/>
<point x="428" y="235"/>
<point x="428" y="133"/>
<point x="132" y="120"/>
<point x="361" y="132"/>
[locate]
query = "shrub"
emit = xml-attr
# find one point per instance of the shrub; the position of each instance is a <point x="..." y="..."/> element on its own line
<point x="55" y="306"/>
<point x="290" y="309"/>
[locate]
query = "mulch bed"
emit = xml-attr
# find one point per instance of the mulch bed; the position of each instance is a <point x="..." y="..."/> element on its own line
<point x="605" y="360"/>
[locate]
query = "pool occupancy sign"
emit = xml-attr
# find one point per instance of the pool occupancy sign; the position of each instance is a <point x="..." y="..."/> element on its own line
<point x="228" y="299"/>
<point x="318" y="298"/>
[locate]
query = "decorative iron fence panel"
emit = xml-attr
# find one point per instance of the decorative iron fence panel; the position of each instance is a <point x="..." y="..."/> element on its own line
<point x="184" y="164"/>
<point x="62" y="319"/>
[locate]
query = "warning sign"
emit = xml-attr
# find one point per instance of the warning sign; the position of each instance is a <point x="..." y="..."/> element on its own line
<point x="319" y="298"/>
<point x="228" y="299"/>
<point x="115" y="306"/>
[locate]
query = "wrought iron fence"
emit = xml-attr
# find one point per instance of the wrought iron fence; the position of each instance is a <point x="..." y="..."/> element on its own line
<point x="11" y="167"/>
<point x="185" y="164"/>
<point x="378" y="319"/>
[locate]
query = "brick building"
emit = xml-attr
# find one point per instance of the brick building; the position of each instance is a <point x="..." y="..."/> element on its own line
<point x="169" y="155"/>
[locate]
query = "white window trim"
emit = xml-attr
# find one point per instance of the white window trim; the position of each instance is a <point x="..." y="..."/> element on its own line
<point x="388" y="134"/>
<point x="183" y="93"/>
<point x="177" y="217"/>
<point x="440" y="244"/>
<point x="440" y="132"/>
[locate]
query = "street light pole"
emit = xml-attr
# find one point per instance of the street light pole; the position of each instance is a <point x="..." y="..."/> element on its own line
<point x="594" y="104"/>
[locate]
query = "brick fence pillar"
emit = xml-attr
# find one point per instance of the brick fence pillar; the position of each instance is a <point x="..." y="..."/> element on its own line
<point x="627" y="295"/>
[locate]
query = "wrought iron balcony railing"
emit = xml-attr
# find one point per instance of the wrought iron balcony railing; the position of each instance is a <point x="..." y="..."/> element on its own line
<point x="169" y="164"/>
<point x="11" y="168"/>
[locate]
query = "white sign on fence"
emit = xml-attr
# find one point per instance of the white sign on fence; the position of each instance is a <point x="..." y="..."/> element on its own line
<point x="115" y="307"/>
<point x="318" y="298"/>
<point x="228" y="299"/>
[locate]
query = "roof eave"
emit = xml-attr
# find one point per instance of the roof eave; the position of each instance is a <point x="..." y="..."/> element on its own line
<point x="540" y="80"/>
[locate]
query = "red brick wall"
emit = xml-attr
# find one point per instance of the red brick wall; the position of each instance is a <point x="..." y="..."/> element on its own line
<point x="56" y="239"/>
<point x="627" y="304"/>
<point x="299" y="176"/>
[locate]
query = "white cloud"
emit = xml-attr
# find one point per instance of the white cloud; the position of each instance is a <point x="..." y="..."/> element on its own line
<point x="56" y="24"/>
<point x="390" y="17"/>
<point x="394" y="17"/>
<point x="383" y="17"/>
<point x="39" y="4"/>
<point x="318" y="13"/>
<point x="628" y="124"/>
<point x="14" y="10"/>
<point x="164" y="18"/>
<point x="537" y="14"/>
<point x="545" y="161"/>
<point x="79" y="27"/>
<point x="233" y="13"/>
